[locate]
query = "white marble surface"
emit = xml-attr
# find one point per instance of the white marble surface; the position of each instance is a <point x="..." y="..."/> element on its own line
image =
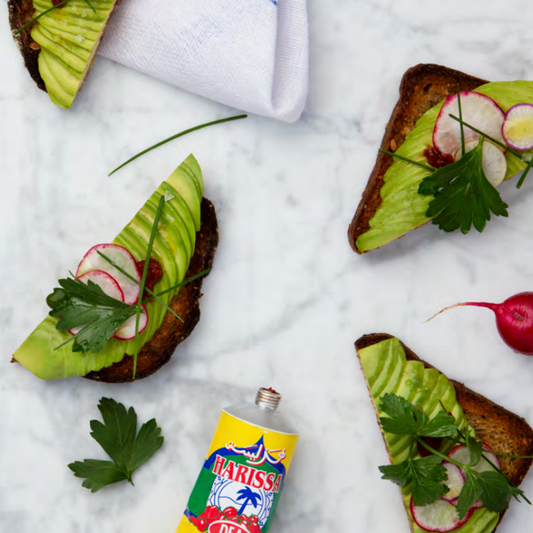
<point x="287" y="296"/>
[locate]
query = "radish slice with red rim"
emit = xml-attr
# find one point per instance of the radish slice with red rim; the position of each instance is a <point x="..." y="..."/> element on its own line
<point x="455" y="481"/>
<point x="478" y="110"/>
<point x="493" y="161"/>
<point x="126" y="332"/>
<point x="123" y="258"/>
<point x="440" y="516"/>
<point x="461" y="454"/>
<point x="107" y="283"/>
<point x="517" y="129"/>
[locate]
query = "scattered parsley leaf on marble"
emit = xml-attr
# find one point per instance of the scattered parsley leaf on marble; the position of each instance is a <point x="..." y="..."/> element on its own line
<point x="463" y="194"/>
<point x="119" y="438"/>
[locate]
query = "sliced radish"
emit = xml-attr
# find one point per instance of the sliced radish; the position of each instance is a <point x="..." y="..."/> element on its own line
<point x="108" y="284"/>
<point x="126" y="332"/>
<point x="478" y="110"/>
<point x="455" y="481"/>
<point x="123" y="258"/>
<point x="493" y="161"/>
<point x="438" y="516"/>
<point x="517" y="129"/>
<point x="461" y="454"/>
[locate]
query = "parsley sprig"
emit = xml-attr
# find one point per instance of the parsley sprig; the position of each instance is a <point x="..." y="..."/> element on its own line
<point x="78" y="304"/>
<point x="118" y="437"/>
<point x="463" y="194"/>
<point x="426" y="475"/>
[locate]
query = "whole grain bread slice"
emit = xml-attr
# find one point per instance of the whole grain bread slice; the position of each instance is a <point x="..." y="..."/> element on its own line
<point x="20" y="13"/>
<point x="422" y="87"/>
<point x="502" y="430"/>
<point x="186" y="304"/>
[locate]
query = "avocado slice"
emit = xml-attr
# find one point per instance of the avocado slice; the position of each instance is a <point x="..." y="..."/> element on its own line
<point x="38" y="353"/>
<point x="425" y="387"/>
<point x="402" y="209"/>
<point x="69" y="37"/>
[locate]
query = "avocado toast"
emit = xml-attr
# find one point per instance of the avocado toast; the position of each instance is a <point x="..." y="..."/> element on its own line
<point x="391" y="204"/>
<point x="390" y="367"/>
<point x="185" y="241"/>
<point x="59" y="48"/>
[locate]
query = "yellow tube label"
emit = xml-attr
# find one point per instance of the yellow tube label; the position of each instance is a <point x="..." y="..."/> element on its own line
<point x="239" y="485"/>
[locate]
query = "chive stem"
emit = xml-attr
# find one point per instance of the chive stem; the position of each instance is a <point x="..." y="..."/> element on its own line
<point x="143" y="281"/>
<point x="397" y="156"/>
<point x="491" y="139"/>
<point x="524" y="174"/>
<point x="154" y="295"/>
<point x="177" y="286"/>
<point x="181" y="134"/>
<point x="45" y="12"/>
<point x="461" y="123"/>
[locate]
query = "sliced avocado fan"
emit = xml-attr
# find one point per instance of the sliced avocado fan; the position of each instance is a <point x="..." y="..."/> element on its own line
<point x="387" y="370"/>
<point x="402" y="208"/>
<point x="173" y="248"/>
<point x="69" y="37"/>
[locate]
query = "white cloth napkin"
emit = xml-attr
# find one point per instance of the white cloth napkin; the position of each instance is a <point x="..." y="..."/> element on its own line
<point x="248" y="54"/>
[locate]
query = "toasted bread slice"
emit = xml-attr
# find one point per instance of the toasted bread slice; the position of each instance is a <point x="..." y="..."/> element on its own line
<point x="186" y="304"/>
<point x="23" y="11"/>
<point x="20" y="13"/>
<point x="422" y="87"/>
<point x="502" y="430"/>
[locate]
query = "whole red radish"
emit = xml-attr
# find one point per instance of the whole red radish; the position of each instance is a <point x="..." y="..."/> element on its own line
<point x="514" y="319"/>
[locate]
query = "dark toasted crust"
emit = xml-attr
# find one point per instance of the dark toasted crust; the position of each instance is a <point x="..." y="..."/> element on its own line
<point x="21" y="12"/>
<point x="502" y="430"/>
<point x="423" y="86"/>
<point x="186" y="304"/>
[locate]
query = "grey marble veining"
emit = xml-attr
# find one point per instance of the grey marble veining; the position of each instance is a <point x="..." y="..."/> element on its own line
<point x="287" y="296"/>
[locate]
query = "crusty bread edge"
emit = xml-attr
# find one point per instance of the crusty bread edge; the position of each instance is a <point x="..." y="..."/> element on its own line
<point x="158" y="351"/>
<point x="417" y="95"/>
<point x="463" y="393"/>
<point x="20" y="13"/>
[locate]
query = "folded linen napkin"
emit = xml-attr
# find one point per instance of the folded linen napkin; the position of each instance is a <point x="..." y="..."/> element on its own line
<point x="248" y="54"/>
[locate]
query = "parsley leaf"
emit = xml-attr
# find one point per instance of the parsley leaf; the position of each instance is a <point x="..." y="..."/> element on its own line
<point x="463" y="194"/>
<point x="406" y="419"/>
<point x="425" y="474"/>
<point x="119" y="438"/>
<point x="78" y="304"/>
<point x="475" y="447"/>
<point x="495" y="490"/>
<point x="470" y="492"/>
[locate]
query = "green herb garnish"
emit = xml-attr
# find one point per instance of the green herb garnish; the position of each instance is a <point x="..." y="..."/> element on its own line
<point x="119" y="438"/>
<point x="143" y="280"/>
<point x="463" y="194"/>
<point x="181" y="134"/>
<point x="426" y="475"/>
<point x="78" y="304"/>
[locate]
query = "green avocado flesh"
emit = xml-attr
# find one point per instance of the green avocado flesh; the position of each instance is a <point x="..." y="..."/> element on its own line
<point x="402" y="208"/>
<point x="69" y="37"/>
<point x="173" y="248"/>
<point x="387" y="370"/>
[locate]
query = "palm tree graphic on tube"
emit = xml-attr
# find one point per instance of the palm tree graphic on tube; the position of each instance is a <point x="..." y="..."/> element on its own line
<point x="249" y="496"/>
